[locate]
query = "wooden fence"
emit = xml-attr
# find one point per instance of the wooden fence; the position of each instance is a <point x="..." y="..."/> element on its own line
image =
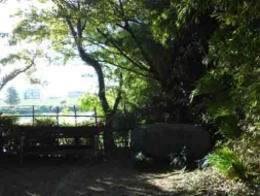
<point x="39" y="140"/>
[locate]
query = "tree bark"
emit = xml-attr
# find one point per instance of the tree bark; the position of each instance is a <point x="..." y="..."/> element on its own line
<point x="77" y="32"/>
<point x="109" y="143"/>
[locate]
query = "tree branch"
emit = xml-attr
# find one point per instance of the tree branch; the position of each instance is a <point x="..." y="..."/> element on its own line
<point x="72" y="30"/>
<point x="15" y="73"/>
<point x="120" y="50"/>
<point x="136" y="40"/>
<point x="127" y="27"/>
<point x="119" y="93"/>
<point x="91" y="62"/>
<point x="125" y="68"/>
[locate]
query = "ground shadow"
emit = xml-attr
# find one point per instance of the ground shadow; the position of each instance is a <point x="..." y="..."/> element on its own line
<point x="54" y="177"/>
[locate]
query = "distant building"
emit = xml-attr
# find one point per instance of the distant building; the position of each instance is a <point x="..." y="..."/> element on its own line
<point x="75" y="94"/>
<point x="32" y="94"/>
<point x="2" y="35"/>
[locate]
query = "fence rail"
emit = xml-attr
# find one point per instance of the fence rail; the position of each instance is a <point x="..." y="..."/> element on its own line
<point x="52" y="115"/>
<point x="57" y="115"/>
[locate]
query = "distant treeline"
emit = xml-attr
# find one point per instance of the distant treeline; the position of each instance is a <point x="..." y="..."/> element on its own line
<point x="19" y="110"/>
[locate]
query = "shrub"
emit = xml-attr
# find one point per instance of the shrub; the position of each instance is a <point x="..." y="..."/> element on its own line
<point x="124" y="120"/>
<point x="45" y="122"/>
<point x="141" y="161"/>
<point x="7" y="121"/>
<point x="204" y="163"/>
<point x="10" y="143"/>
<point x="227" y="162"/>
<point x="179" y="160"/>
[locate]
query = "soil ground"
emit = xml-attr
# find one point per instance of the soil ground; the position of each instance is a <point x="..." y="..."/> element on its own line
<point x="58" y="177"/>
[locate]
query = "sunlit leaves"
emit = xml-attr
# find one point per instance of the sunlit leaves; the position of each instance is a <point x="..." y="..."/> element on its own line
<point x="89" y="102"/>
<point x="226" y="161"/>
<point x="234" y="51"/>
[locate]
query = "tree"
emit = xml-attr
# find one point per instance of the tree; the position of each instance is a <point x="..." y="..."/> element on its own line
<point x="25" y="59"/>
<point x="65" y="29"/>
<point x="124" y="35"/>
<point x="132" y="35"/>
<point x="167" y="45"/>
<point x="229" y="93"/>
<point x="12" y="96"/>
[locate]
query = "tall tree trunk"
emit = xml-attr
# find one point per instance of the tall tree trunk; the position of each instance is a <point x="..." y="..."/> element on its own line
<point x="109" y="143"/>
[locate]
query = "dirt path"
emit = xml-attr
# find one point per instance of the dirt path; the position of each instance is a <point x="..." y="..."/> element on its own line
<point x="115" y="178"/>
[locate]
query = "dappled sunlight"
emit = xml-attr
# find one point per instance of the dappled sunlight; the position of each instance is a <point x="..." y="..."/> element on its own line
<point x="102" y="178"/>
<point x="129" y="97"/>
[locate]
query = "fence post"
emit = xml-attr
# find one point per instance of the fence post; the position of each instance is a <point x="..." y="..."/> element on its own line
<point x="96" y="136"/>
<point x="96" y="117"/>
<point x="75" y="115"/>
<point x="33" y="115"/>
<point x="57" y="115"/>
<point x="22" y="139"/>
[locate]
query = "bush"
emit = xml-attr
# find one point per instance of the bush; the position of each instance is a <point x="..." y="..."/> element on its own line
<point x="179" y="160"/>
<point x="141" y="161"/>
<point x="7" y="130"/>
<point x="204" y="163"/>
<point x="7" y="121"/>
<point x="45" y="122"/>
<point x="227" y="162"/>
<point x="124" y="121"/>
<point x="247" y="146"/>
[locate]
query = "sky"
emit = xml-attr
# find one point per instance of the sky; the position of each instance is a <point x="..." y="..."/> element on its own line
<point x="56" y="80"/>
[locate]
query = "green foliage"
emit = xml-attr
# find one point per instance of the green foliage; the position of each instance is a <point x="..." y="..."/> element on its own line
<point x="45" y="122"/>
<point x="7" y="121"/>
<point x="227" y="162"/>
<point x="89" y="102"/>
<point x="228" y="126"/>
<point x="213" y="82"/>
<point x="247" y="146"/>
<point x="140" y="38"/>
<point x="124" y="120"/>
<point x="161" y="48"/>
<point x="123" y="123"/>
<point x="230" y="91"/>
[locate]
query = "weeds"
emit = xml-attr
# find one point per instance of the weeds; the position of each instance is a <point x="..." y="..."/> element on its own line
<point x="228" y="163"/>
<point x="179" y="160"/>
<point x="209" y="182"/>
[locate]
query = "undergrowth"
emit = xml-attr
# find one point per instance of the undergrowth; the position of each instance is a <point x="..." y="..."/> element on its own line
<point x="210" y="182"/>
